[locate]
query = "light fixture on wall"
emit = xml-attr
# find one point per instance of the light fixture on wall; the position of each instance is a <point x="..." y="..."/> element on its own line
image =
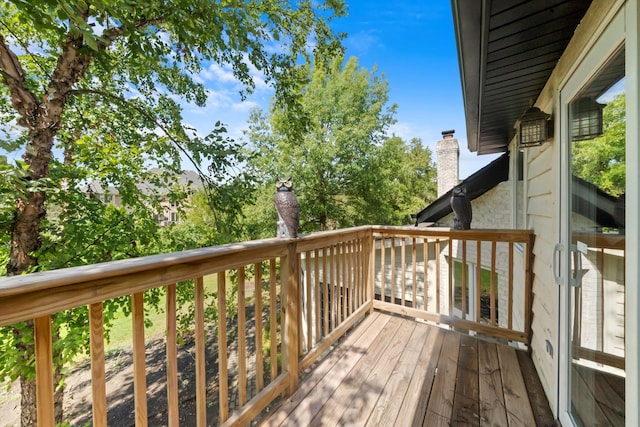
<point x="533" y="127"/>
<point x="586" y="119"/>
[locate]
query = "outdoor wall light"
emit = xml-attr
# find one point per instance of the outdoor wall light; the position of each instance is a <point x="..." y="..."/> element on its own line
<point x="533" y="127"/>
<point x="586" y="119"/>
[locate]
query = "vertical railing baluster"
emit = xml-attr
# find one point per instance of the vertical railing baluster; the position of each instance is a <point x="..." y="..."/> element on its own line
<point x="370" y="270"/>
<point x="257" y="291"/>
<point x="414" y="272"/>
<point x="463" y="292"/>
<point x="360" y="263"/>
<point x="242" y="337"/>
<point x="173" y="402"/>
<point x="393" y="270"/>
<point x="528" y="289"/>
<point x="493" y="283"/>
<point x="478" y="278"/>
<point x="332" y="287"/>
<point x="273" y="319"/>
<point x="345" y="280"/>
<point x="44" y="371"/>
<point x="201" y="367"/>
<point x="510" y="293"/>
<point x="316" y="270"/>
<point x="383" y="272"/>
<point x="307" y="276"/>
<point x="437" y="257"/>
<point x="299" y="305"/>
<point x="450" y="264"/>
<point x="223" y="379"/>
<point x="403" y="270"/>
<point x="325" y="290"/>
<point x="425" y="274"/>
<point x="350" y="273"/>
<point x="139" y="368"/>
<point x="290" y="284"/>
<point x="98" y="384"/>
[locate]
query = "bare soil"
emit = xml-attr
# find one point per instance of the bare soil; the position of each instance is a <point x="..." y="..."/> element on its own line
<point x="119" y="379"/>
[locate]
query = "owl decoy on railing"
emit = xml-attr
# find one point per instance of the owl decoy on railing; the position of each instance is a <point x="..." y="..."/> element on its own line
<point x="461" y="208"/>
<point x="287" y="207"/>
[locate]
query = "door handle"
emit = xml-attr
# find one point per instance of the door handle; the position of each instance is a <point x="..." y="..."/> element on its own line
<point x="575" y="280"/>
<point x="557" y="250"/>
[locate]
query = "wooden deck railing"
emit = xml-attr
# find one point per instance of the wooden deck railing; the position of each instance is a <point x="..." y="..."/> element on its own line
<point x="298" y="296"/>
<point x="475" y="280"/>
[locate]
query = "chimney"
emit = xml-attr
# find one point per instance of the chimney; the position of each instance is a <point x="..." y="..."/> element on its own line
<point x="448" y="154"/>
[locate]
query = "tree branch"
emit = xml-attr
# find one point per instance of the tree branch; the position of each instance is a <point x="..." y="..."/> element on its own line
<point x="22" y="99"/>
<point x="147" y="115"/>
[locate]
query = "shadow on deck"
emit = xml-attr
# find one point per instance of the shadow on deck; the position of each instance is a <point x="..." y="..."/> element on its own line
<point x="391" y="370"/>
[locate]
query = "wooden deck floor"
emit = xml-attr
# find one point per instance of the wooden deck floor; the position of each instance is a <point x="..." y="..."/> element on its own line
<point x="394" y="371"/>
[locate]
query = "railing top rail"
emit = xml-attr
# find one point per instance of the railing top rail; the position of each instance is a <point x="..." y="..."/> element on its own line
<point x="68" y="276"/>
<point x="22" y="297"/>
<point x="271" y="247"/>
<point x="497" y="235"/>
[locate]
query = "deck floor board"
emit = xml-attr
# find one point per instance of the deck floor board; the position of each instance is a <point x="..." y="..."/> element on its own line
<point x="397" y="371"/>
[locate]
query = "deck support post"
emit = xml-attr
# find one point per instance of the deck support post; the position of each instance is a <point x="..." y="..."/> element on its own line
<point x="290" y="272"/>
<point x="369" y="276"/>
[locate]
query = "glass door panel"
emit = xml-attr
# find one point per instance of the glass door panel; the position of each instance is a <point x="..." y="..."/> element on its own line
<point x="596" y="260"/>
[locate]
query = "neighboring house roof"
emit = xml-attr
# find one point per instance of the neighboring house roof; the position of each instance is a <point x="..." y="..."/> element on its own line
<point x="186" y="178"/>
<point x="507" y="51"/>
<point x="589" y="201"/>
<point x="601" y="208"/>
<point x="476" y="185"/>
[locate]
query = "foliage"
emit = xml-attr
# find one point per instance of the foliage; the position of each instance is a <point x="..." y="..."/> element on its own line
<point x="345" y="170"/>
<point x="330" y="146"/>
<point x="94" y="91"/>
<point x="601" y="160"/>
<point x="407" y="180"/>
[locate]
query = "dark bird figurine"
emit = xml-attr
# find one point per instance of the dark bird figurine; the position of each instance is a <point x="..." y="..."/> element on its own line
<point x="287" y="207"/>
<point x="461" y="208"/>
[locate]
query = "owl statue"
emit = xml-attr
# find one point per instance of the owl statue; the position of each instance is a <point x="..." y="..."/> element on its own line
<point x="461" y="208"/>
<point x="287" y="207"/>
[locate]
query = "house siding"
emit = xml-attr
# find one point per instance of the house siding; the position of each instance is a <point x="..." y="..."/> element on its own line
<point x="543" y="215"/>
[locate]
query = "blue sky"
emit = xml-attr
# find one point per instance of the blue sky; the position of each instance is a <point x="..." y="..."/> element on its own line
<point x="412" y="44"/>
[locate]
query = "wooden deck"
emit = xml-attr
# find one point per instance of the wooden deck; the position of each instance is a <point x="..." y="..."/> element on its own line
<point x="396" y="371"/>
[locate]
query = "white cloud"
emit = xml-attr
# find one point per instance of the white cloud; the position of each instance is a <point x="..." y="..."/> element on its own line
<point x="403" y="130"/>
<point x="215" y="73"/>
<point x="363" y="42"/>
<point x="245" y="106"/>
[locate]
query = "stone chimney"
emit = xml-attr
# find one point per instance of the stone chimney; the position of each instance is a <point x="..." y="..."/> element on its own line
<point x="448" y="154"/>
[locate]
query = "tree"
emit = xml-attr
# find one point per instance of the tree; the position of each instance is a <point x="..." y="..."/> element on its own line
<point x="329" y="144"/>
<point x="91" y="90"/>
<point x="601" y="160"/>
<point x="408" y="180"/>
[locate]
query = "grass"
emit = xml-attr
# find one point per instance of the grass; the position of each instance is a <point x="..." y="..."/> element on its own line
<point x="121" y="327"/>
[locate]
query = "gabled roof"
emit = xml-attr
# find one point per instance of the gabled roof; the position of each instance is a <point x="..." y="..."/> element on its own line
<point x="603" y="209"/>
<point x="589" y="201"/>
<point x="476" y="184"/>
<point x="507" y="50"/>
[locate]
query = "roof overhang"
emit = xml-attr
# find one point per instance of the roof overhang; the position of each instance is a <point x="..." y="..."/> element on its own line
<point x="507" y="51"/>
<point x="476" y="185"/>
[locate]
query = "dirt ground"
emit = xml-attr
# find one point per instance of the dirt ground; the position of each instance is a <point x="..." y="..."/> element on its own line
<point x="119" y="378"/>
<point x="119" y="371"/>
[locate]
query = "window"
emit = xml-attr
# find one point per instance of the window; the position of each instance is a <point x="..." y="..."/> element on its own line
<point x="470" y="288"/>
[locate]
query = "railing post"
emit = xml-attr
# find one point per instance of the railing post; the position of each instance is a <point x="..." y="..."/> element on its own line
<point x="291" y="282"/>
<point x="44" y="371"/>
<point x="528" y="291"/>
<point x="370" y="278"/>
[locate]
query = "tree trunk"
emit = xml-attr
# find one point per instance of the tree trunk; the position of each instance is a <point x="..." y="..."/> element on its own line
<point x="28" y="407"/>
<point x="28" y="413"/>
